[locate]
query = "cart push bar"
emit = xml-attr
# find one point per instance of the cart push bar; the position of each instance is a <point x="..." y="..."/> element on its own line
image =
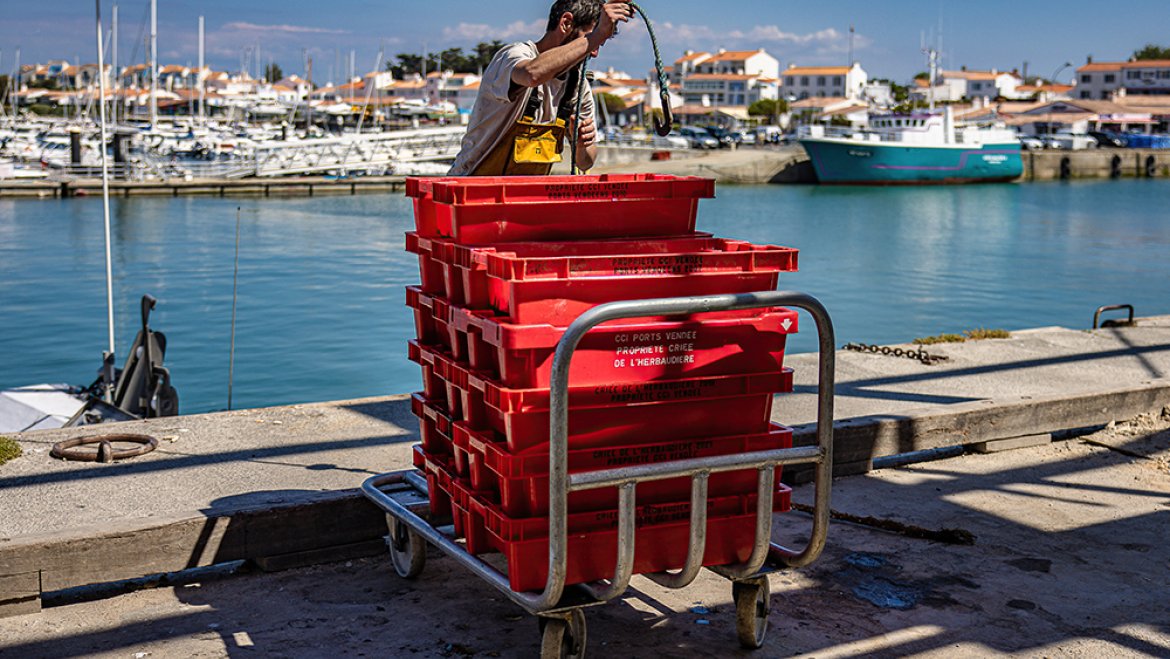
<point x="390" y="491"/>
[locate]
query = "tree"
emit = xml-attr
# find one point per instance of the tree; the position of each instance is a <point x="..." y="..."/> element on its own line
<point x="50" y="84"/>
<point x="273" y="73"/>
<point x="484" y="52"/>
<point x="451" y="59"/>
<point x="613" y="104"/>
<point x="922" y="75"/>
<point x="1152" y="51"/>
<point x="767" y="107"/>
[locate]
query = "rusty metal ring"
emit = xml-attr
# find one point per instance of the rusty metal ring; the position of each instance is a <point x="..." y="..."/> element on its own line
<point x="106" y="452"/>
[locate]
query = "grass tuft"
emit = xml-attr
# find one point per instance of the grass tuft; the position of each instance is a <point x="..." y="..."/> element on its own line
<point x="941" y="338"/>
<point x="982" y="333"/>
<point x="9" y="449"/>
<point x="978" y="334"/>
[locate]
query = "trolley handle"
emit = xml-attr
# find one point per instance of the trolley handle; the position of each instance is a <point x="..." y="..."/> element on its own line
<point x="559" y="484"/>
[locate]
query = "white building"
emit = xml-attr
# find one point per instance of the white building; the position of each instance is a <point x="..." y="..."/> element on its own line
<point x="1102" y="80"/>
<point x="981" y="84"/>
<point x="801" y="82"/>
<point x="725" y="78"/>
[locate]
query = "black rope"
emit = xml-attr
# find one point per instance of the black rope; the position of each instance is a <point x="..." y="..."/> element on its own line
<point x="662" y="126"/>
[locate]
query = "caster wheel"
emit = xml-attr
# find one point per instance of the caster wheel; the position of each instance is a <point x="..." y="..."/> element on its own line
<point x="408" y="551"/>
<point x="752" y="603"/>
<point x="563" y="639"/>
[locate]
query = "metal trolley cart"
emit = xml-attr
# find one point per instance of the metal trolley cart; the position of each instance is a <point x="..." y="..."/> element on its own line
<point x="403" y="495"/>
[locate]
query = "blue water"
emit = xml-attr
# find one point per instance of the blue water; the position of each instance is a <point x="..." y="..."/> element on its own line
<point x="321" y="313"/>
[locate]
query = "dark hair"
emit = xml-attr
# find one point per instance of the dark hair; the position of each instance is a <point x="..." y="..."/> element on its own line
<point x="585" y="12"/>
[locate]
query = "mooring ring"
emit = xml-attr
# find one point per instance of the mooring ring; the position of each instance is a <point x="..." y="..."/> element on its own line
<point x="67" y="450"/>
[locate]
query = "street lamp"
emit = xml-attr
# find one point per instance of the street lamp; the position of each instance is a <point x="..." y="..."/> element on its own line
<point x="1058" y="70"/>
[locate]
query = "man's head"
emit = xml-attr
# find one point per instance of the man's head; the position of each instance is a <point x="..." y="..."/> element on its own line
<point x="574" y="17"/>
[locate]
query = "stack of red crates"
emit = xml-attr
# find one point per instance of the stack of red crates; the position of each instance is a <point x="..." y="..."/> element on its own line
<point x="506" y="265"/>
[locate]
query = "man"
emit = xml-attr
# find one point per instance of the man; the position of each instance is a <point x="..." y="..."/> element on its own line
<point x="528" y="94"/>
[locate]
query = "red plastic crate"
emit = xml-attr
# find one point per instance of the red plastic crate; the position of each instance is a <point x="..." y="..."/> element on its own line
<point x="660" y="543"/>
<point x="604" y="415"/>
<point x="433" y="321"/>
<point x="434" y="425"/>
<point x="521" y="480"/>
<point x="554" y="282"/>
<point x="431" y="266"/>
<point x="486" y="210"/>
<point x="440" y="487"/>
<point x="520" y="356"/>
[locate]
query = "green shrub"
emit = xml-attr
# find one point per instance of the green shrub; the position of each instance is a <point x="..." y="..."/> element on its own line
<point x="9" y="449"/>
<point x="941" y="338"/>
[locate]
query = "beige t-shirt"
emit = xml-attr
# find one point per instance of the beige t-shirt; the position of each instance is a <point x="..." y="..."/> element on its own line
<point x="500" y="104"/>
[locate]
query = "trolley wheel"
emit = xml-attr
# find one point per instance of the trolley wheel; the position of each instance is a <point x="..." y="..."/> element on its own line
<point x="408" y="550"/>
<point x="561" y="638"/>
<point x="752" y="603"/>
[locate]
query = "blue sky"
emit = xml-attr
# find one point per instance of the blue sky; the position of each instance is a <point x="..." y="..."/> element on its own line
<point x="993" y="33"/>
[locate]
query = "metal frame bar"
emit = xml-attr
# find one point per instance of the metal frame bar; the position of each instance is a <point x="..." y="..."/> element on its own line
<point x="553" y="599"/>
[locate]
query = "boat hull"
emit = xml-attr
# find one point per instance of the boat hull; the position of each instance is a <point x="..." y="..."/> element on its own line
<point x="841" y="161"/>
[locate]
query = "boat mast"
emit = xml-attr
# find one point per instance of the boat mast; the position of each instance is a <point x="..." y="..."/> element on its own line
<point x="933" y="55"/>
<point x="201" y="78"/>
<point x="114" y="63"/>
<point x="153" y="63"/>
<point x="108" y="358"/>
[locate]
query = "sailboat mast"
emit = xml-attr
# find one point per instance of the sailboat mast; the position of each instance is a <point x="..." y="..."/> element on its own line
<point x="114" y="64"/>
<point x="153" y="62"/>
<point x="201" y="78"/>
<point x="105" y="187"/>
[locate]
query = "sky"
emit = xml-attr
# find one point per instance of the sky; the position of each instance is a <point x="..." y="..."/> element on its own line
<point x="1001" y="34"/>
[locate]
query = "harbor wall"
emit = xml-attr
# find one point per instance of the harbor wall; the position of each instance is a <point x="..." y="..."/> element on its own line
<point x="1096" y="164"/>
<point x="748" y="166"/>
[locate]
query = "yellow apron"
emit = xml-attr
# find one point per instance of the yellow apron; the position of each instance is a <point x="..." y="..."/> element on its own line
<point x="531" y="148"/>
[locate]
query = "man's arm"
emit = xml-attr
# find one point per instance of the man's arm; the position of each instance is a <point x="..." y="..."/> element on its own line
<point x="553" y="62"/>
<point x="587" y="144"/>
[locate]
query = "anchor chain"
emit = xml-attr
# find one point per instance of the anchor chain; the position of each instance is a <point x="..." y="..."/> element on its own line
<point x="920" y="355"/>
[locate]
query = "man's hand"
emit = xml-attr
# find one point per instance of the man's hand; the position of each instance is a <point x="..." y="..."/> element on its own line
<point x="612" y="13"/>
<point x="586" y="133"/>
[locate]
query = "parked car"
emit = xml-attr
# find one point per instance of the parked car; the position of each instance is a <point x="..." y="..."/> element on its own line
<point x="1108" y="138"/>
<point x="746" y="137"/>
<point x="1031" y="143"/>
<point x="698" y="138"/>
<point x="726" y="137"/>
<point x="1069" y="141"/>
<point x="672" y="141"/>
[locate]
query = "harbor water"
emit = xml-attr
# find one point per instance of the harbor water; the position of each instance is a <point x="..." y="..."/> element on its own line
<point x="321" y="312"/>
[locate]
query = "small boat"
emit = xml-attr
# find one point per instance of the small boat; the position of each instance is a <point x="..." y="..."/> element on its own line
<point x="921" y="148"/>
<point x="139" y="390"/>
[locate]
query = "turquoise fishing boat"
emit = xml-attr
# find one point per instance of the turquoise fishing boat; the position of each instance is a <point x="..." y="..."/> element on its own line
<point x="915" y="149"/>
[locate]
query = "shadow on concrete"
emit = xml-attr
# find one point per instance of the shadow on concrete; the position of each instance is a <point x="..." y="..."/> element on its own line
<point x="167" y="460"/>
<point x="1020" y="589"/>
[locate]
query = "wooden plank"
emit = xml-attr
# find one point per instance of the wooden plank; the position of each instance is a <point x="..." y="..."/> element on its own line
<point x="130" y="550"/>
<point x="20" y="594"/>
<point x="866" y="438"/>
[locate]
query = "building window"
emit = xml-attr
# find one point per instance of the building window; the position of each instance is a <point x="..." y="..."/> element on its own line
<point x="1086" y="95"/>
<point x="1086" y="78"/>
<point x="1109" y="77"/>
<point x="788" y="81"/>
<point x="1164" y="74"/>
<point x="837" y="81"/>
<point x="1133" y="75"/>
<point x="820" y="81"/>
<point x="804" y="81"/>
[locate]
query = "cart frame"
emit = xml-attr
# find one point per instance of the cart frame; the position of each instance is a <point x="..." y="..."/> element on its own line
<point x="402" y="494"/>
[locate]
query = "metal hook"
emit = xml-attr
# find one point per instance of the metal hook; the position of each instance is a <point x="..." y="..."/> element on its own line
<point x="664" y="125"/>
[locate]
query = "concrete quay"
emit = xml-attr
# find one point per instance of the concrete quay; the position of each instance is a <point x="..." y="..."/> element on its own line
<point x="277" y="487"/>
<point x="790" y="164"/>
<point x="263" y="187"/>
